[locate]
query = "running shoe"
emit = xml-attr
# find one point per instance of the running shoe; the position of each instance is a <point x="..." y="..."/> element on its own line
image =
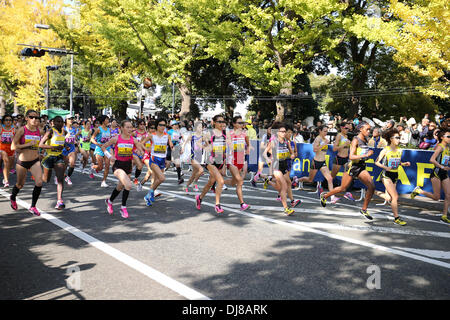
<point x="91" y="173"/>
<point x="218" y="208"/>
<point x="224" y="187"/>
<point x="279" y="198"/>
<point x="334" y="199"/>
<point x="56" y="180"/>
<point x="139" y="187"/>
<point x="60" y="205"/>
<point x="13" y="204"/>
<point x="253" y="183"/>
<point x="445" y="219"/>
<point x="135" y="181"/>
<point x="148" y="202"/>
<point x="295" y="203"/>
<point x="399" y="221"/>
<point x="109" y="207"/>
<point x="213" y="189"/>
<point x="299" y="186"/>
<point x="152" y="195"/>
<point x="196" y="188"/>
<point x="266" y="183"/>
<point x="186" y="189"/>
<point x="123" y="212"/>
<point x="6" y="185"/>
<point x="323" y="200"/>
<point x="319" y="190"/>
<point x="104" y="184"/>
<point x="13" y="171"/>
<point x="68" y="181"/>
<point x="244" y="206"/>
<point x="180" y="181"/>
<point x="198" y="202"/>
<point x="157" y="193"/>
<point x="288" y="211"/>
<point x="349" y="196"/>
<point x="416" y="192"/>
<point x="366" y="214"/>
<point x="34" y="211"/>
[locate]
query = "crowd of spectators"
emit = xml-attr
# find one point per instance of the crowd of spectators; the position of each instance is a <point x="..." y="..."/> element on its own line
<point x="413" y="134"/>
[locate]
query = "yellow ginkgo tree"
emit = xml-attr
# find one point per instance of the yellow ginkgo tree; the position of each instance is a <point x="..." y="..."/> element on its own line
<point x="23" y="79"/>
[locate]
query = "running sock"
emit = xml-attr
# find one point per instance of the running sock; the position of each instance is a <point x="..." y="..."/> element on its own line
<point x="36" y="194"/>
<point x="137" y="173"/>
<point x="179" y="172"/>
<point x="114" y="194"/>
<point x="125" y="194"/>
<point x="69" y="173"/>
<point x="15" y="192"/>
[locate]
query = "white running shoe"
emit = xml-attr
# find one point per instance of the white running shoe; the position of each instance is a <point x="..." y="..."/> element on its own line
<point x="104" y="185"/>
<point x="139" y="187"/>
<point x="68" y="181"/>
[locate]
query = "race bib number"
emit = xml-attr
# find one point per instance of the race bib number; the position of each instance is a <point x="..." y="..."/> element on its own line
<point x="283" y="155"/>
<point x="125" y="149"/>
<point x="445" y="160"/>
<point x="160" y="148"/>
<point x="394" y="163"/>
<point x="7" y="137"/>
<point x="31" y="138"/>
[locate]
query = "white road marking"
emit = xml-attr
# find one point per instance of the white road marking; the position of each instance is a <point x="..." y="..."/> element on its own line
<point x="118" y="255"/>
<point x="429" y="253"/>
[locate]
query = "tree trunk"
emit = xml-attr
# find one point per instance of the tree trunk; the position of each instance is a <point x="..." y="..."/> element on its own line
<point x="185" y="100"/>
<point x="229" y="106"/>
<point x="284" y="106"/>
<point x="2" y="103"/>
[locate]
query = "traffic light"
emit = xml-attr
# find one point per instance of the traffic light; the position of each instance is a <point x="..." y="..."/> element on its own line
<point x="32" y="52"/>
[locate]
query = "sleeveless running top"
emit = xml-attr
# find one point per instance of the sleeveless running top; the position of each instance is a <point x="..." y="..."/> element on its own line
<point x="103" y="136"/>
<point x="219" y="147"/>
<point x="31" y="136"/>
<point x="444" y="157"/>
<point x="71" y="134"/>
<point x="159" y="145"/>
<point x="6" y="136"/>
<point x="392" y="158"/>
<point x="362" y="149"/>
<point x="282" y="150"/>
<point x="238" y="146"/>
<point x="57" y="139"/>
<point x="196" y="150"/>
<point x="124" y="149"/>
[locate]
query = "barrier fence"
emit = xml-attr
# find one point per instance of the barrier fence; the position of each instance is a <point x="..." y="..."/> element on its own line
<point x="418" y="174"/>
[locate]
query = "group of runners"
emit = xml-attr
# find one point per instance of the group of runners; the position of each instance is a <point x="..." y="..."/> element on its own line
<point x="41" y="148"/>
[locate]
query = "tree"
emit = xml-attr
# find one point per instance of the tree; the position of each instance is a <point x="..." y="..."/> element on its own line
<point x="276" y="40"/>
<point x="22" y="79"/>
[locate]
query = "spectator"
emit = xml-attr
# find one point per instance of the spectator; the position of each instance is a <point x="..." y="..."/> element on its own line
<point x="415" y="138"/>
<point x="298" y="138"/>
<point x="377" y="141"/>
<point x="404" y="136"/>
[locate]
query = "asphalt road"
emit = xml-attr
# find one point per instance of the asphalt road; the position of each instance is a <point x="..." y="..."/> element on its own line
<point x="173" y="251"/>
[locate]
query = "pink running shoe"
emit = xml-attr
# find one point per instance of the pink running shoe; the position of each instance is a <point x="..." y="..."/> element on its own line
<point x="244" y="206"/>
<point x="13" y="204"/>
<point x="109" y="207"/>
<point x="218" y="208"/>
<point x="196" y="188"/>
<point x="349" y="196"/>
<point x="91" y="175"/>
<point x="198" y="201"/>
<point x="34" y="211"/>
<point x="186" y="190"/>
<point x="124" y="212"/>
<point x="279" y="198"/>
<point x="68" y="181"/>
<point x="334" y="199"/>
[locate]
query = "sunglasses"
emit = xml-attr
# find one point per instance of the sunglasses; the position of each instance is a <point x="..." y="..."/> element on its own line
<point x="398" y="138"/>
<point x="161" y="125"/>
<point x="8" y="119"/>
<point x="446" y="136"/>
<point x="242" y="122"/>
<point x="33" y="117"/>
<point x="153" y="128"/>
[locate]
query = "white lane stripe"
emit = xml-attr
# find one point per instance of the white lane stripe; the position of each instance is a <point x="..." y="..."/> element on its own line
<point x="118" y="255"/>
<point x="429" y="253"/>
<point x="302" y="227"/>
<point x="334" y="226"/>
